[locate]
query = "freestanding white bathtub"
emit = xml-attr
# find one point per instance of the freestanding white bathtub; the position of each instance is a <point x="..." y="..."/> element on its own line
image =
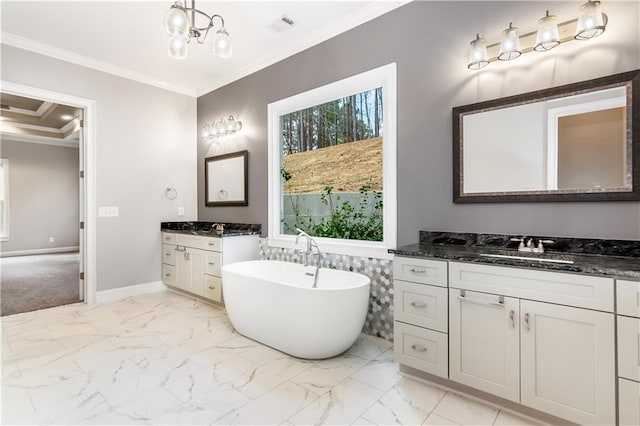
<point x="273" y="302"/>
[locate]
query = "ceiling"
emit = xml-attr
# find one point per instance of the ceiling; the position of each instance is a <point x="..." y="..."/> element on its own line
<point x="128" y="38"/>
<point x="31" y="120"/>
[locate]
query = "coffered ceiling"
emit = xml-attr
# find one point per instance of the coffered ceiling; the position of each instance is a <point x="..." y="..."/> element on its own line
<point x="128" y="38"/>
<point x="32" y="120"/>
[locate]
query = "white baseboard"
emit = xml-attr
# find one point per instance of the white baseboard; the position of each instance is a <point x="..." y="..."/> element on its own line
<point x="39" y="251"/>
<point x="113" y="295"/>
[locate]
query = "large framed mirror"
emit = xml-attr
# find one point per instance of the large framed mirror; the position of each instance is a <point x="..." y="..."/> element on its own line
<point x="226" y="180"/>
<point x="578" y="142"/>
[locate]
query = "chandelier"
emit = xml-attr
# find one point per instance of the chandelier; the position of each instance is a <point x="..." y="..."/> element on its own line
<point x="185" y="23"/>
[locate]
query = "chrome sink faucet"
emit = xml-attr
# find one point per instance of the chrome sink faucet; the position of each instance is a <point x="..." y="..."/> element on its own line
<point x="530" y="246"/>
<point x="311" y="243"/>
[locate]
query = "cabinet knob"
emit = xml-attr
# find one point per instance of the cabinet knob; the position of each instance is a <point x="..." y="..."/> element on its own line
<point x="419" y="305"/>
<point x="418" y="348"/>
<point x="526" y="321"/>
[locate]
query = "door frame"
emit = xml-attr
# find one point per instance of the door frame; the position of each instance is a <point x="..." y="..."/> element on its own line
<point x="89" y="205"/>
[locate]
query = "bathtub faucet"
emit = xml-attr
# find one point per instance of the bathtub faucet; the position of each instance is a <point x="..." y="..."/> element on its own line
<point x="311" y="243"/>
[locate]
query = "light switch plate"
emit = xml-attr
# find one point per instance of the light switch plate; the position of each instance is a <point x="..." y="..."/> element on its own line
<point x="107" y="211"/>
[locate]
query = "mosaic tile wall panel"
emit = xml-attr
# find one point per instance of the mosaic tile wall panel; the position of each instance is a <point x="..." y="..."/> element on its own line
<point x="379" y="320"/>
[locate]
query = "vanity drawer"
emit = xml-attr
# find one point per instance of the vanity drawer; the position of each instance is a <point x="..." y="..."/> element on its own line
<point x="423" y="271"/>
<point x="629" y="348"/>
<point x="168" y="238"/>
<point x="422" y="349"/>
<point x="628" y="297"/>
<point x="168" y="254"/>
<point x="582" y="291"/>
<point x="422" y="305"/>
<point x="628" y="402"/>
<point x="169" y="275"/>
<point x="212" y="262"/>
<point x="196" y="241"/>
<point x="213" y="288"/>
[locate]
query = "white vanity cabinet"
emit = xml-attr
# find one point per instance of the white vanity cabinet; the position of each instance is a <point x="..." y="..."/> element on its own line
<point x="192" y="263"/>
<point x="421" y="319"/>
<point x="512" y="334"/>
<point x="628" y="310"/>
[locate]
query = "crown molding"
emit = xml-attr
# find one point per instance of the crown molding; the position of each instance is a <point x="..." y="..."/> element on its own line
<point x="336" y="27"/>
<point x="13" y="40"/>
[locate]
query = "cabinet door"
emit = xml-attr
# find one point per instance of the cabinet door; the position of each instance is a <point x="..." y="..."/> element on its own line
<point x="484" y="342"/>
<point x="197" y="260"/>
<point x="183" y="271"/>
<point x="568" y="362"/>
<point x="629" y="410"/>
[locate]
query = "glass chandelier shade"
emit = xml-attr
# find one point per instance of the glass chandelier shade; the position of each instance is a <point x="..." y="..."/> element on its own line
<point x="547" y="36"/>
<point x="222" y="44"/>
<point x="591" y="21"/>
<point x="178" y="47"/>
<point x="177" y="21"/>
<point x="478" y="57"/>
<point x="510" y="45"/>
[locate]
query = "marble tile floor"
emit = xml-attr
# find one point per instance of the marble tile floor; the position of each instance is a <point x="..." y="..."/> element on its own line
<point x="164" y="358"/>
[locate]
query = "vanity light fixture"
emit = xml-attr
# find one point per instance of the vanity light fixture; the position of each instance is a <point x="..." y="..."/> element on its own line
<point x="222" y="127"/>
<point x="591" y="22"/>
<point x="184" y="23"/>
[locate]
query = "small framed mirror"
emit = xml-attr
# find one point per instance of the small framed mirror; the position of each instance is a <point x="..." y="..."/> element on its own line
<point x="578" y="142"/>
<point x="225" y="179"/>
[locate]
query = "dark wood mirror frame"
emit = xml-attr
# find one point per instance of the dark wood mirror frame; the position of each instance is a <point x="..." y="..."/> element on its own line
<point x="632" y="78"/>
<point x="239" y="201"/>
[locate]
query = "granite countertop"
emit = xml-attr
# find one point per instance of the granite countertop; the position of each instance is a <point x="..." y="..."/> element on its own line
<point x="621" y="258"/>
<point x="204" y="229"/>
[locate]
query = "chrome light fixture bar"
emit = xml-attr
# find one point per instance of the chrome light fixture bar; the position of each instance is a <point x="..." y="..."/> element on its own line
<point x="184" y="23"/>
<point x="591" y="22"/>
<point x="222" y="127"/>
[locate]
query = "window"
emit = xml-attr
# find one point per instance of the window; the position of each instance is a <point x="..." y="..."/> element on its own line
<point x="4" y="199"/>
<point x="332" y="165"/>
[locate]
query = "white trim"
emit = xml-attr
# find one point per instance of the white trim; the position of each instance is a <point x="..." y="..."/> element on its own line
<point x="67" y="142"/>
<point x="43" y="108"/>
<point x="5" y="229"/>
<point x="384" y="77"/>
<point x="113" y="295"/>
<point x="553" y="114"/>
<point x="21" y="111"/>
<point x="39" y="251"/>
<point x="32" y="127"/>
<point x="90" y="200"/>
<point x="68" y="56"/>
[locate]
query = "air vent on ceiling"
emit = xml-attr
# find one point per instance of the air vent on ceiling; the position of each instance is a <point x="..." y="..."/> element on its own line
<point x="282" y="24"/>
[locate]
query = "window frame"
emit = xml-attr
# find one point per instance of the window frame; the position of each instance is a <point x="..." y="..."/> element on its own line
<point x="385" y="77"/>
<point x="4" y="226"/>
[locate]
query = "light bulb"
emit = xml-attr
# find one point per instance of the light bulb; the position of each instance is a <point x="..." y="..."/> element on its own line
<point x="178" y="47"/>
<point x="478" y="57"/>
<point x="547" y="37"/>
<point x="177" y="21"/>
<point x="510" y="45"/>
<point x="591" y="21"/>
<point x="222" y="44"/>
<point x="205" y="131"/>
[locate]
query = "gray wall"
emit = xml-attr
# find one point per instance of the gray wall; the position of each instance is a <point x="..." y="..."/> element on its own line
<point x="43" y="196"/>
<point x="429" y="42"/>
<point x="145" y="141"/>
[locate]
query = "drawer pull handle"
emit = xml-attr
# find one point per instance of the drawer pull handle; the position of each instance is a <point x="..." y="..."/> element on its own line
<point x="167" y="254"/>
<point x="526" y="321"/>
<point x="418" y="271"/>
<point x="512" y="317"/>
<point x="212" y="244"/>
<point x="167" y="275"/>
<point x="464" y="298"/>
<point x="212" y="263"/>
<point x="419" y="305"/>
<point x="418" y="348"/>
<point x="211" y="287"/>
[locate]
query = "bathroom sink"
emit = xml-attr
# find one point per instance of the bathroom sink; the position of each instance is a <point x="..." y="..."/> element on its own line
<point x="535" y="259"/>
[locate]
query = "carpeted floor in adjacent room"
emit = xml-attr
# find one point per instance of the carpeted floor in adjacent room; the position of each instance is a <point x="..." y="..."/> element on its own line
<point x="29" y="283"/>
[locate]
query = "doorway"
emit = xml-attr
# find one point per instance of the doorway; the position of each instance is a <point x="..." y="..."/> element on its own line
<point x="48" y="245"/>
